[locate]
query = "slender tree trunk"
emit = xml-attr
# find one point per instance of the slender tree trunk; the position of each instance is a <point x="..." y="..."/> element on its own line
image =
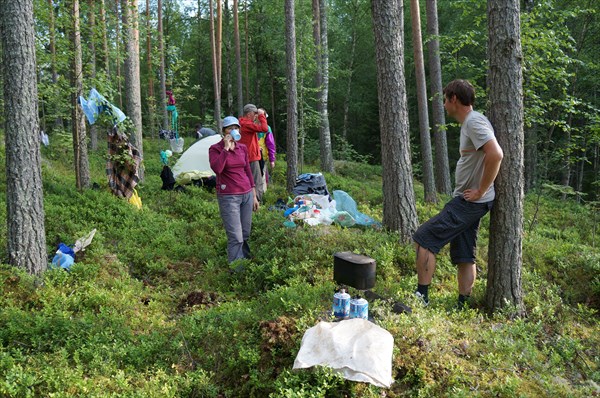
<point x="151" y="100"/>
<point x="399" y="210"/>
<point x="104" y="38"/>
<point x="257" y="61"/>
<point x="82" y="166"/>
<point x="26" y="240"/>
<point x="427" y="159"/>
<point x="132" y="74"/>
<point x="349" y="82"/>
<point x="442" y="167"/>
<point x="219" y="40"/>
<point x="238" y="57"/>
<point x="531" y="157"/>
<point x="58" y="123"/>
<point x="228" y="73"/>
<point x="92" y="47"/>
<point x="506" y="115"/>
<point x="118" y="52"/>
<point x="325" y="133"/>
<point x="272" y="77"/>
<point x="302" y="126"/>
<point x="216" y="81"/>
<point x="162" y="106"/>
<point x="247" y="45"/>
<point x="292" y="95"/>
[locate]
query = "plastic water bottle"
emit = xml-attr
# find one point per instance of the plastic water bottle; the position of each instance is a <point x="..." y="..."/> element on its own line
<point x="341" y="304"/>
<point x="359" y="308"/>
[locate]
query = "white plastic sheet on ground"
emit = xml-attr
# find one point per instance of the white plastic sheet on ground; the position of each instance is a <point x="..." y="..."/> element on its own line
<point x="356" y="348"/>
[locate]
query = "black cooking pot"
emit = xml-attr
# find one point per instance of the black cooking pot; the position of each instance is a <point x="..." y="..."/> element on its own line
<point x="354" y="270"/>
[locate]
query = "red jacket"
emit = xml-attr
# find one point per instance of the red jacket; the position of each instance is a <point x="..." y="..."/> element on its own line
<point x="232" y="168"/>
<point x="249" y="130"/>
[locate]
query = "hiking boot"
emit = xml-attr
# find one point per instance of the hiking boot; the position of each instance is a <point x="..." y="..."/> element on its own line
<point x="422" y="299"/>
<point x="461" y="306"/>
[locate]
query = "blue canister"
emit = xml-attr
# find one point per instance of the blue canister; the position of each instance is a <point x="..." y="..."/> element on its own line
<point x="341" y="304"/>
<point x="359" y="308"/>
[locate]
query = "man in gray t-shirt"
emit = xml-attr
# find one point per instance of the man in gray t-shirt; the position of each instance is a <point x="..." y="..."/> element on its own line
<point x="458" y="222"/>
<point x="203" y="132"/>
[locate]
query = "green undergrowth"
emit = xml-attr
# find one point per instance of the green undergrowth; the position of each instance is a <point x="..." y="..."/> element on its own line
<point x="152" y="309"/>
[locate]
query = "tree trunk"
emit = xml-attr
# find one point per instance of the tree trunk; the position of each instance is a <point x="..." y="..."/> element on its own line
<point x="151" y="100"/>
<point x="506" y="115"/>
<point x="272" y="78"/>
<point x="82" y="165"/>
<point x="325" y="134"/>
<point x="58" y="123"/>
<point x="247" y="45"/>
<point x="26" y="240"/>
<point x="399" y="210"/>
<point x="228" y="73"/>
<point x="353" y="39"/>
<point x="162" y="105"/>
<point x="216" y="80"/>
<point x="292" y="95"/>
<point x="442" y="167"/>
<point x="104" y="38"/>
<point x="92" y="47"/>
<point x="427" y="159"/>
<point x="301" y="127"/>
<point x="132" y="75"/>
<point x="238" y="57"/>
<point x="118" y="52"/>
<point x="531" y="157"/>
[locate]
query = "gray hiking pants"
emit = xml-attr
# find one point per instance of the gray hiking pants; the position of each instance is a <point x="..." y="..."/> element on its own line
<point x="258" y="179"/>
<point x="236" y="213"/>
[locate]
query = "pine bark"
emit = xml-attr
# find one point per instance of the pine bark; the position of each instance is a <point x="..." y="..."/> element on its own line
<point x="292" y="95"/>
<point x="238" y="57"/>
<point x="506" y="115"/>
<point x="151" y="101"/>
<point x="442" y="167"/>
<point x="52" y="31"/>
<point x="82" y="165"/>
<point x="426" y="157"/>
<point x="162" y="105"/>
<point x="133" y="96"/>
<point x="216" y="78"/>
<point x="118" y="52"/>
<point x="26" y="240"/>
<point x="92" y="47"/>
<point x="104" y="38"/>
<point x="399" y="210"/>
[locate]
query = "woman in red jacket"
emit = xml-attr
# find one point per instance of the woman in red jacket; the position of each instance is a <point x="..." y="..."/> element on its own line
<point x="236" y="192"/>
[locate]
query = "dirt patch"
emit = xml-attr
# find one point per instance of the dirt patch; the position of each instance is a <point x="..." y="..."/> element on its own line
<point x="198" y="299"/>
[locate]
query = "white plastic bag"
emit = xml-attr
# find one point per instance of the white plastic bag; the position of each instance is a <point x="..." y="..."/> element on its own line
<point x="176" y="145"/>
<point x="357" y="349"/>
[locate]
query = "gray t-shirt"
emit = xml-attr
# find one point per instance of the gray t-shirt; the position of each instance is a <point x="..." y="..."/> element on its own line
<point x="205" y="132"/>
<point x="475" y="131"/>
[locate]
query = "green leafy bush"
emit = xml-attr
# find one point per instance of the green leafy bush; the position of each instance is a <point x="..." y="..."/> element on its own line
<point x="153" y="309"/>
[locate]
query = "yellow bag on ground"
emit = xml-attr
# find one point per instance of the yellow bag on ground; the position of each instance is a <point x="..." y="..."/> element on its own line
<point x="136" y="200"/>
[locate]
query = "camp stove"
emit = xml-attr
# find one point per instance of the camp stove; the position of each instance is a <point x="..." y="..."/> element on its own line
<point x="357" y="271"/>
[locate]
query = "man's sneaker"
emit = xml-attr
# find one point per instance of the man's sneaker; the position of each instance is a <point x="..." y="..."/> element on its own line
<point x="422" y="299"/>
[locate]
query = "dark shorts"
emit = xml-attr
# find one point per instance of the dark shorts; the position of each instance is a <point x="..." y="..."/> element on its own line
<point x="457" y="224"/>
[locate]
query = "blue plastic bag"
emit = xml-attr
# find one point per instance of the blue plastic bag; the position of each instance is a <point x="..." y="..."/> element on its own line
<point x="66" y="249"/>
<point x="63" y="260"/>
<point x="344" y="202"/>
